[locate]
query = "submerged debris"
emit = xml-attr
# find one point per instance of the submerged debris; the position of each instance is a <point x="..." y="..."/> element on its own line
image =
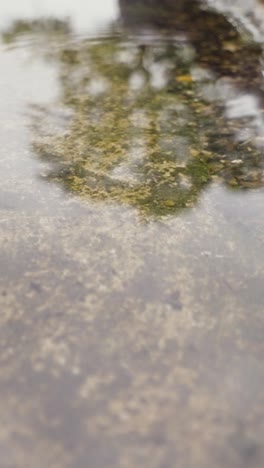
<point x="152" y="121"/>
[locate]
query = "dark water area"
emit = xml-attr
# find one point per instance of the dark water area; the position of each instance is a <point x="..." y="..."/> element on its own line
<point x="131" y="229"/>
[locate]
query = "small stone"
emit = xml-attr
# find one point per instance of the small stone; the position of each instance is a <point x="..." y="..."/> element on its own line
<point x="169" y="203"/>
<point x="233" y="182"/>
<point x="194" y="152"/>
<point x="230" y="46"/>
<point x="236" y="162"/>
<point x="216" y="166"/>
<point x="207" y="153"/>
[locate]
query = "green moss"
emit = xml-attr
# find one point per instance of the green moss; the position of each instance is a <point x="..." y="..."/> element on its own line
<point x="152" y="147"/>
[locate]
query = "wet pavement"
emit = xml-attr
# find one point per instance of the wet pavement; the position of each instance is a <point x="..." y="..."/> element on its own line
<point x="131" y="235"/>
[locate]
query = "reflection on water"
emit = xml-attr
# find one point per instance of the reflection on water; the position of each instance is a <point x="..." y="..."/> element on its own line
<point x="150" y="120"/>
<point x="85" y="15"/>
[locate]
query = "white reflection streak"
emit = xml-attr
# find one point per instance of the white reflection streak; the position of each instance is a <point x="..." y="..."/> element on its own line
<point x="247" y="13"/>
<point x="238" y="106"/>
<point x="247" y="106"/>
<point x="242" y="106"/>
<point x="86" y="15"/>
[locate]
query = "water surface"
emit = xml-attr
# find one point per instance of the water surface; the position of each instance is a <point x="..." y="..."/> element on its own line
<point x="131" y="227"/>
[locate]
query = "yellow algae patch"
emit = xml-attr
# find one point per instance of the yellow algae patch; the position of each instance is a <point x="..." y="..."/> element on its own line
<point x="184" y="79"/>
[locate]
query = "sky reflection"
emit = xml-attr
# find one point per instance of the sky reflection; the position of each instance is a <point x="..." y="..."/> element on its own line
<point x="86" y="16"/>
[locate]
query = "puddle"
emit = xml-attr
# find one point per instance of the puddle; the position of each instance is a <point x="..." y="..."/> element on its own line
<point x="131" y="227"/>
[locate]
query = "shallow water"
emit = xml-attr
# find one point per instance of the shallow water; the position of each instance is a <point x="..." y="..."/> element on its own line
<point x="131" y="227"/>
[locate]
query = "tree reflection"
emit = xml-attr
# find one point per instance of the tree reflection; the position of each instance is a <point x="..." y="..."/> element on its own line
<point x="134" y="125"/>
